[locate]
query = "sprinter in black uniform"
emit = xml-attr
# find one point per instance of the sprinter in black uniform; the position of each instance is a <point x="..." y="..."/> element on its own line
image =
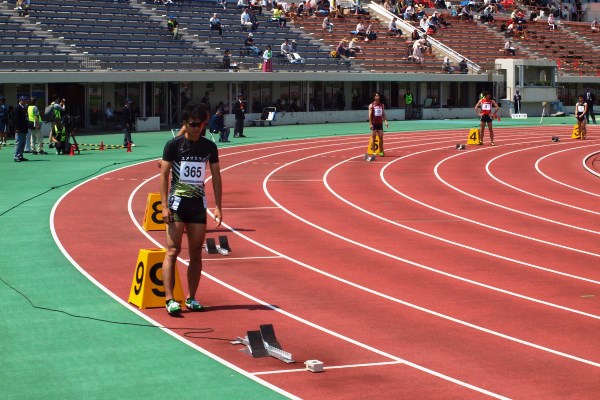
<point x="185" y="159"/>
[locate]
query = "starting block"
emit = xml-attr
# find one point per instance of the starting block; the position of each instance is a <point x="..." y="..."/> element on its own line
<point x="474" y="137"/>
<point x="518" y="116"/>
<point x="370" y="157"/>
<point x="555" y="139"/>
<point x="460" y="146"/>
<point x="263" y="343"/>
<point x="222" y="249"/>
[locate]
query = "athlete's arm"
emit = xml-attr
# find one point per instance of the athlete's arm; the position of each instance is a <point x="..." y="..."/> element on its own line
<point x="477" y="106"/>
<point x="215" y="171"/>
<point x="496" y="106"/>
<point x="165" y="173"/>
<point x="370" y="118"/>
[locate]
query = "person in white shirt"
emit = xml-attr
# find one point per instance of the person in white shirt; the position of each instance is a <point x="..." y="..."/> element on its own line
<point x="393" y="28"/>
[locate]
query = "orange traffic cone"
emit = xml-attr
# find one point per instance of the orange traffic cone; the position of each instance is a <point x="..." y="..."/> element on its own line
<point x="101" y="145"/>
<point x="129" y="147"/>
<point x="72" y="151"/>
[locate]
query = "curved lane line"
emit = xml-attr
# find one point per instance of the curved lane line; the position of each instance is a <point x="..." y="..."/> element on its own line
<point x="494" y="177"/>
<point x="591" y="171"/>
<point x="537" y="167"/>
<point x="436" y="172"/>
<point x="136" y="310"/>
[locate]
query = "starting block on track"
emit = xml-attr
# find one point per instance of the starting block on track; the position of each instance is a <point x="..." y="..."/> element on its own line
<point x="555" y="139"/>
<point x="473" y="137"/>
<point x="222" y="249"/>
<point x="460" y="146"/>
<point x="263" y="343"/>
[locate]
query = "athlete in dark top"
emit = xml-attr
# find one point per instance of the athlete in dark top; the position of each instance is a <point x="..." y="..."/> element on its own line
<point x="376" y="119"/>
<point x="184" y="205"/>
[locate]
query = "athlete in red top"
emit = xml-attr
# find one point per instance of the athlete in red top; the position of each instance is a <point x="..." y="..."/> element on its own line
<point x="376" y="119"/>
<point x="483" y="108"/>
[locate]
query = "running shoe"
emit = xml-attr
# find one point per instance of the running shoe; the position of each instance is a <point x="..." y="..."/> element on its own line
<point x="381" y="154"/>
<point x="493" y="144"/>
<point x="193" y="305"/>
<point x="173" y="307"/>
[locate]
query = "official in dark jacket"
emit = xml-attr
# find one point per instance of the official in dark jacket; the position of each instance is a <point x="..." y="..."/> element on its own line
<point x="239" y="110"/>
<point x="128" y="119"/>
<point x="21" y="128"/>
<point x="590" y="99"/>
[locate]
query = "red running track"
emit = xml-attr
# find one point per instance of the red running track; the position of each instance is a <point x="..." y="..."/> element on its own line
<point x="427" y="274"/>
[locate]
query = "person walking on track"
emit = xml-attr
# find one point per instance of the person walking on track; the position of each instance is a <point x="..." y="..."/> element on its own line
<point x="184" y="161"/>
<point x="376" y="119"/>
<point x="483" y="108"/>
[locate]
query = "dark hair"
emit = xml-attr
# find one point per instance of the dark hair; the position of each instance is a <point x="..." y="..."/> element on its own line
<point x="55" y="98"/>
<point x="195" y="111"/>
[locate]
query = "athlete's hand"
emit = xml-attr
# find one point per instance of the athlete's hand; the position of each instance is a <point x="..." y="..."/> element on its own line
<point x="218" y="216"/>
<point x="386" y="124"/>
<point x="167" y="215"/>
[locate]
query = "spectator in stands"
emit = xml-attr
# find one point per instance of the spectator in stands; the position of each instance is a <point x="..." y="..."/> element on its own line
<point x="217" y="125"/>
<point x="239" y="110"/>
<point x="509" y="48"/>
<point x="286" y="49"/>
<point x="393" y="28"/>
<point x="245" y="20"/>
<point x="222" y="3"/>
<point x="447" y="65"/>
<point x="227" y="64"/>
<point x="173" y="26"/>
<point x="552" y="22"/>
<point x="342" y="50"/>
<point x="417" y="54"/>
<point x="487" y="15"/>
<point x="254" y="20"/>
<point x="371" y="33"/>
<point x="409" y="13"/>
<point x="356" y="5"/>
<point x="424" y="45"/>
<point x="354" y="48"/>
<point x="23" y="7"/>
<point x="414" y="35"/>
<point x="466" y="14"/>
<point x="327" y="25"/>
<point x="242" y="4"/>
<point x="361" y="29"/>
<point x="256" y="7"/>
<point x="533" y="16"/>
<point x="128" y="120"/>
<point x="463" y="66"/>
<point x="291" y="12"/>
<point x="594" y="25"/>
<point x="215" y="24"/>
<point x="3" y="121"/>
<point x="267" y="65"/>
<point x="249" y="44"/>
<point x="279" y="16"/>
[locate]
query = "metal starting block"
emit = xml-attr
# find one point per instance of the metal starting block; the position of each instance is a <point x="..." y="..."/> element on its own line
<point x="370" y="157"/>
<point x="555" y="139"/>
<point x="518" y="116"/>
<point x="263" y="343"/>
<point x="460" y="146"/>
<point x="222" y="249"/>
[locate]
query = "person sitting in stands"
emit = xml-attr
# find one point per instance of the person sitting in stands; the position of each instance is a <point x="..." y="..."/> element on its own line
<point x="327" y="25"/>
<point x="361" y="29"/>
<point x="335" y="9"/>
<point x="243" y="4"/>
<point x="466" y="14"/>
<point x="393" y="28"/>
<point x="245" y="20"/>
<point x="371" y="33"/>
<point x="354" y="48"/>
<point x="447" y="65"/>
<point x="417" y="54"/>
<point x="278" y="15"/>
<point x="594" y="25"/>
<point x="463" y="66"/>
<point x="508" y="48"/>
<point x="286" y="49"/>
<point x="227" y="64"/>
<point x="301" y="9"/>
<point x="487" y="14"/>
<point x="215" y="24"/>
<point x="409" y="13"/>
<point x="342" y="50"/>
<point x="173" y="26"/>
<point x="256" y="7"/>
<point x="552" y="22"/>
<point x="249" y="44"/>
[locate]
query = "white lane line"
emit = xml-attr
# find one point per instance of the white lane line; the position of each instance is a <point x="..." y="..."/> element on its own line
<point x="539" y="170"/>
<point x="228" y="258"/>
<point x="284" y="371"/>
<point x="590" y="170"/>
<point x="513" y="210"/>
<point x="414" y="306"/>
<point x="494" y="177"/>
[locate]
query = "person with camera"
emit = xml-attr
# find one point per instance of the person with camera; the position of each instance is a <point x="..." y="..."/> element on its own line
<point x="128" y="119"/>
<point x="58" y="136"/>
